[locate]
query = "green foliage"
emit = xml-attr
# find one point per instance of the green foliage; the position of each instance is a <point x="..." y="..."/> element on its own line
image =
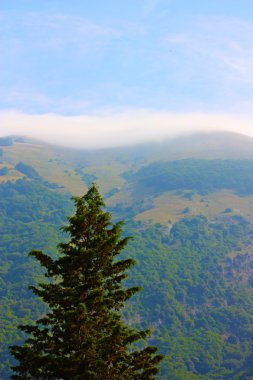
<point x="82" y="336"/>
<point x="31" y="214"/>
<point x="196" y="296"/>
<point x="201" y="176"/>
<point x="28" y="170"/>
<point x="197" y="277"/>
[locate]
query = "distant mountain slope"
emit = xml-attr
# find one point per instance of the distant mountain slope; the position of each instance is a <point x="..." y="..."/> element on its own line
<point x="207" y="146"/>
<point x="198" y="176"/>
<point x="196" y="270"/>
<point x="74" y="169"/>
<point x="153" y="170"/>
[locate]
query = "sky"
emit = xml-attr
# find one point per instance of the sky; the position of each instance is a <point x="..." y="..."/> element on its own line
<point x="107" y="73"/>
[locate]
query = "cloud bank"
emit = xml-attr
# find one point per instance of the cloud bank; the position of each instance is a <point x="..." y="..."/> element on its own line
<point x="120" y="128"/>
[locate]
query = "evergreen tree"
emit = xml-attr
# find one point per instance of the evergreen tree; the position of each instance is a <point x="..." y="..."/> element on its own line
<point x="83" y="336"/>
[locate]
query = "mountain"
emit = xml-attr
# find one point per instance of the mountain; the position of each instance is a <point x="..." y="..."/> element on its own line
<point x="74" y="169"/>
<point x="188" y="203"/>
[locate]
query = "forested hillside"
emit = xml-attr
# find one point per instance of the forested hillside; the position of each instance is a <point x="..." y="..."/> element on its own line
<point x="196" y="270"/>
<point x="201" y="176"/>
<point x="197" y="295"/>
<point x="31" y="216"/>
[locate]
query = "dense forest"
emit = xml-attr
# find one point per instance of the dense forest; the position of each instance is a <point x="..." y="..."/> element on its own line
<point x="201" y="176"/>
<point x="197" y="275"/>
<point x="31" y="216"/>
<point x="197" y="283"/>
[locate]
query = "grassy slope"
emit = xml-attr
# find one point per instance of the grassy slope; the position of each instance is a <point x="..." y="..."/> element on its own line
<point x="69" y="169"/>
<point x="47" y="162"/>
<point x="169" y="207"/>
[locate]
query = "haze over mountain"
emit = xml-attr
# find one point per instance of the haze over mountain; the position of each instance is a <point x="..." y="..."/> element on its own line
<point x="103" y="75"/>
<point x="119" y="128"/>
<point x="74" y="169"/>
<point x="188" y="203"/>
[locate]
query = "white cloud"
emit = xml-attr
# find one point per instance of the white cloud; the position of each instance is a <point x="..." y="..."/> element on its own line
<point x="118" y="128"/>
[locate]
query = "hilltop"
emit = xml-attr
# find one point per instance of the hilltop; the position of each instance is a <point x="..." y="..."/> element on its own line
<point x="119" y="173"/>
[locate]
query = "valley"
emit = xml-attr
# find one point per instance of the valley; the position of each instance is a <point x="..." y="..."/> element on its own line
<point x="187" y="202"/>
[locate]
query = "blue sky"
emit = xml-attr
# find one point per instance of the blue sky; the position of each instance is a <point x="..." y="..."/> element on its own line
<point x="106" y="62"/>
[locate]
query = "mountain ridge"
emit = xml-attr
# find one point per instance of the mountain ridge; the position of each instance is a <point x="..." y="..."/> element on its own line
<point x="191" y="219"/>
